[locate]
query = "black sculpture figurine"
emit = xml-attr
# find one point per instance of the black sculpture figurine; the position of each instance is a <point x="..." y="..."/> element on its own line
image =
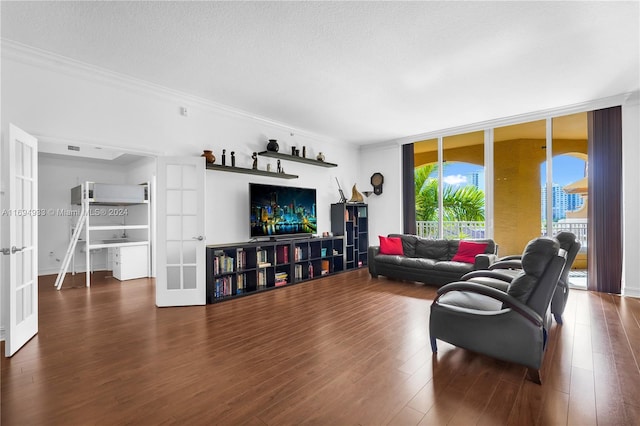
<point x="279" y="167"/>
<point x="224" y="156"/>
<point x="255" y="161"/>
<point x="233" y="158"/>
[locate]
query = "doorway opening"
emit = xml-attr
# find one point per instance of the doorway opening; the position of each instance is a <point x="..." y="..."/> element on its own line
<point x="63" y="166"/>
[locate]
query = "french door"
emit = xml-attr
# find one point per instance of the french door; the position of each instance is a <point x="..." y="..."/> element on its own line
<point x="180" y="278"/>
<point x="22" y="247"/>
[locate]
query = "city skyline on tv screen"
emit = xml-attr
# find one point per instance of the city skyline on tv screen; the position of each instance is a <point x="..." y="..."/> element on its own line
<point x="282" y="210"/>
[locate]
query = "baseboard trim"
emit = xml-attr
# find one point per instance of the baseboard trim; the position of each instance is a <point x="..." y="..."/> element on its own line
<point x="631" y="292"/>
<point x="55" y="271"/>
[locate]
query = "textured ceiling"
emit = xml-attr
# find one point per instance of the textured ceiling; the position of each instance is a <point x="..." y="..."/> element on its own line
<point x="361" y="72"/>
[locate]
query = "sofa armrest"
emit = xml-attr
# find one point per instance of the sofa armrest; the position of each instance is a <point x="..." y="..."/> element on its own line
<point x="507" y="264"/>
<point x="512" y="257"/>
<point x="507" y="300"/>
<point x="484" y="261"/>
<point x="372" y="252"/>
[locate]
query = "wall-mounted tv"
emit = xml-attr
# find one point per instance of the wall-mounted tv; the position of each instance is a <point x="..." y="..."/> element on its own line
<point x="282" y="210"/>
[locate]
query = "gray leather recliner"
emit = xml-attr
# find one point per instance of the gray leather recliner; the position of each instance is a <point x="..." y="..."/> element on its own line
<point x="507" y="268"/>
<point x="511" y="325"/>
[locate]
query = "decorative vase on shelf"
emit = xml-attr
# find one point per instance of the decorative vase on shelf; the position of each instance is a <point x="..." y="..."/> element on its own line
<point x="320" y="157"/>
<point x="273" y="145"/>
<point x="209" y="157"/>
<point x="356" y="197"/>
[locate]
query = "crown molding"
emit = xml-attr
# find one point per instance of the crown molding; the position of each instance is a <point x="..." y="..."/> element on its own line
<point x="606" y="102"/>
<point x="633" y="99"/>
<point x="40" y="58"/>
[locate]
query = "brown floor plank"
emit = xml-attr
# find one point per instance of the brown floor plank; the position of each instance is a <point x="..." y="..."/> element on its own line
<point x="499" y="406"/>
<point x="345" y="349"/>
<point x="582" y="399"/>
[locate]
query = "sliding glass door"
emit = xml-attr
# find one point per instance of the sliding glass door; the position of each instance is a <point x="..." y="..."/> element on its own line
<point x="449" y="185"/>
<point x="530" y="196"/>
<point x="569" y="171"/>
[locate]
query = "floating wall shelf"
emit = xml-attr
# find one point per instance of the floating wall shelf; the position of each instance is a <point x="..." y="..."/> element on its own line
<point x="246" y="171"/>
<point x="296" y="158"/>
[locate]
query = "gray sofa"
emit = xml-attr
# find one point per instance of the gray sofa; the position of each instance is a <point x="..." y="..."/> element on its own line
<point x="428" y="261"/>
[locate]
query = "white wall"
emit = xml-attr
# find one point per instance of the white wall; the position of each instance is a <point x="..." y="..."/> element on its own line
<point x="631" y="195"/>
<point x="62" y="101"/>
<point x="385" y="210"/>
<point x="144" y="170"/>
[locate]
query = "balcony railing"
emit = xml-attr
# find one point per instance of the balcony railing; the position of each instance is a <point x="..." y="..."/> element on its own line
<point x="579" y="229"/>
<point x="452" y="230"/>
<point x="471" y="229"/>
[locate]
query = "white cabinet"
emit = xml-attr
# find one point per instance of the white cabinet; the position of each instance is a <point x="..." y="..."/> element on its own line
<point x="130" y="262"/>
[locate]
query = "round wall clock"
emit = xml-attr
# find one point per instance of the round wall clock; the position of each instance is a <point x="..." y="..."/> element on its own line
<point x="377" y="180"/>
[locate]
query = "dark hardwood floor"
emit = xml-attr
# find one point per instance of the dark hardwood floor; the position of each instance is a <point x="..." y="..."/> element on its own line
<point x="340" y="350"/>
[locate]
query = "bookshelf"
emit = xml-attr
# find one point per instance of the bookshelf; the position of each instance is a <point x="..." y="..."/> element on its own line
<point x="351" y="221"/>
<point x="235" y="270"/>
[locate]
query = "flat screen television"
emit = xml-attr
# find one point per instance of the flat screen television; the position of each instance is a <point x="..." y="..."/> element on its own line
<point x="282" y="211"/>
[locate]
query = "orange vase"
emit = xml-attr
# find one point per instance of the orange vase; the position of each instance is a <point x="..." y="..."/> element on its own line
<point x="209" y="157"/>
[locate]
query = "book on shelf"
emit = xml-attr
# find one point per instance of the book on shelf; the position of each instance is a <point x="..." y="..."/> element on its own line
<point x="261" y="257"/>
<point x="262" y="278"/>
<point x="241" y="259"/>
<point x="241" y="278"/>
<point x="298" y="254"/>
<point x="223" y="287"/>
<point x="298" y="272"/>
<point x="263" y="264"/>
<point x="281" y="255"/>
<point x="223" y="264"/>
<point x="281" y="279"/>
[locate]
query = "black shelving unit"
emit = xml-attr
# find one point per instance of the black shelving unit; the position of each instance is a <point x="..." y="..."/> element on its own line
<point x="297" y="159"/>
<point x="235" y="270"/>
<point x="351" y="221"/>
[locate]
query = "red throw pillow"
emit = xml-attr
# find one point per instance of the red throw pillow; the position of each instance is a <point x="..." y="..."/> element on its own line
<point x="391" y="245"/>
<point x="467" y="251"/>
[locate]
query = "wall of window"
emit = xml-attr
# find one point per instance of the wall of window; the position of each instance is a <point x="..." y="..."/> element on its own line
<point x="456" y="197"/>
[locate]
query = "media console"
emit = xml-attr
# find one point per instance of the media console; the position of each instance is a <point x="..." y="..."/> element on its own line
<point x="235" y="270"/>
